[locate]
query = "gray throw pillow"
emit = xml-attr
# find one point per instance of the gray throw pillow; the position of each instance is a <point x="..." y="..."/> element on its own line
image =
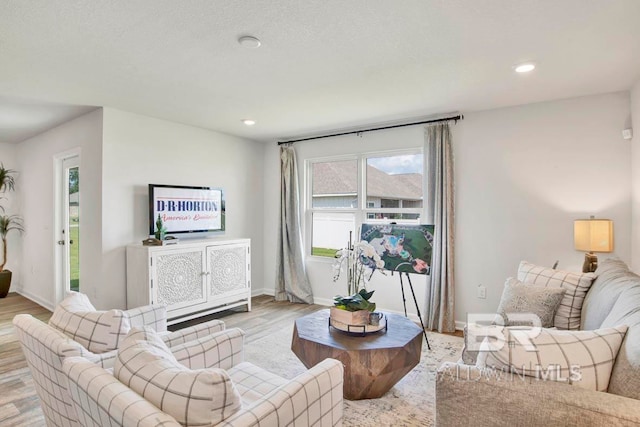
<point x="518" y="297"/>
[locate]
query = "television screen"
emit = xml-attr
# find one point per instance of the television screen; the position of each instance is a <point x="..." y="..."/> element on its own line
<point x="404" y="248"/>
<point x="186" y="209"/>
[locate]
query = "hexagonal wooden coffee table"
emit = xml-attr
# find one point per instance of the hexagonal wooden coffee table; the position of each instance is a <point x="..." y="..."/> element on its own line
<point x="372" y="364"/>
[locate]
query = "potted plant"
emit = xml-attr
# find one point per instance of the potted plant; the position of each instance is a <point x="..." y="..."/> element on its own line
<point x="8" y="223"/>
<point x="353" y="309"/>
<point x="360" y="261"/>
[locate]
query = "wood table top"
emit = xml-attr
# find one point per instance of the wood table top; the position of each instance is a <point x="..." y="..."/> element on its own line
<point x="315" y="327"/>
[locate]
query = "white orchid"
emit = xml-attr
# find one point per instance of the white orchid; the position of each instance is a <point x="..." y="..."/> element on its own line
<point x="361" y="260"/>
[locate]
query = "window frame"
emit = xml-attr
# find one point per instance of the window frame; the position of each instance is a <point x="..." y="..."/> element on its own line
<point x="362" y="210"/>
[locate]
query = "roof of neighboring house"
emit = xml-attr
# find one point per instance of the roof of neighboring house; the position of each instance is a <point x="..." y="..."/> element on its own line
<point x="341" y="177"/>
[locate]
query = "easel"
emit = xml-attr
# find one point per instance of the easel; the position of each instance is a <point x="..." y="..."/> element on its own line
<point x="404" y="302"/>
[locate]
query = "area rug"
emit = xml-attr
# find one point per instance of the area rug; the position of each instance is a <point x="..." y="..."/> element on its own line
<point x="411" y="402"/>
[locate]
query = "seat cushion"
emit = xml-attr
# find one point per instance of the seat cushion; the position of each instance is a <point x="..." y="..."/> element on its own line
<point x="97" y="331"/>
<point x="253" y="383"/>
<point x="576" y="285"/>
<point x="199" y="397"/>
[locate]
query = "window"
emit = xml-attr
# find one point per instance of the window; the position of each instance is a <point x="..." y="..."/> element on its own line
<point x="375" y="188"/>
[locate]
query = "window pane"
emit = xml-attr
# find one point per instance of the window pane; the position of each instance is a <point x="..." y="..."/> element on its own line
<point x="331" y="232"/>
<point x="395" y="181"/>
<point x="405" y="218"/>
<point x="334" y="184"/>
<point x="74" y="229"/>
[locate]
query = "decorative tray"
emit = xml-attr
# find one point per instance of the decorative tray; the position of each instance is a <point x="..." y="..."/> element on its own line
<point x="359" y="329"/>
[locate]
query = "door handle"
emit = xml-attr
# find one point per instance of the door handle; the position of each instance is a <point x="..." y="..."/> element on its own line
<point x="61" y="242"/>
<point x="71" y="242"/>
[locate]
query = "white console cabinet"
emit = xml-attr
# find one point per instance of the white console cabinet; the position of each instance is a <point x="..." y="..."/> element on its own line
<point x="192" y="278"/>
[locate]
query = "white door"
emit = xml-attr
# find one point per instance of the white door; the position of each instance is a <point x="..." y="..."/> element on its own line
<point x="68" y="228"/>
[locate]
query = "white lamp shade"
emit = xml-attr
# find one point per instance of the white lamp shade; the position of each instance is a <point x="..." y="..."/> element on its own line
<point x="593" y="235"/>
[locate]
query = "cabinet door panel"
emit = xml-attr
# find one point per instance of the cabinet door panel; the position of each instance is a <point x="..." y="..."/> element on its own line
<point x="228" y="269"/>
<point x="179" y="279"/>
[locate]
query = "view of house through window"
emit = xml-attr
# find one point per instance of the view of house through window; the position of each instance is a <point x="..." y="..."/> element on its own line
<point x="371" y="188"/>
<point x="334" y="189"/>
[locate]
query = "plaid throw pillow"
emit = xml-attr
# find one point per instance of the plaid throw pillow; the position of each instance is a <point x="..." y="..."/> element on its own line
<point x="193" y="397"/>
<point x="97" y="331"/>
<point x="581" y="358"/>
<point x="576" y="285"/>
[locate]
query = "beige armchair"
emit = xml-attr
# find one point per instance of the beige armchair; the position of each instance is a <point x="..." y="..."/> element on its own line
<point x="313" y="398"/>
<point x="45" y="349"/>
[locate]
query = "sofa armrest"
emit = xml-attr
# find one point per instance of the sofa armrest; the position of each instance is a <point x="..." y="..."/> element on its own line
<point x="312" y="398"/>
<point x="154" y="316"/>
<point x="99" y="399"/>
<point x="495" y="398"/>
<point x="221" y="350"/>
<point x="104" y="360"/>
<point x="192" y="333"/>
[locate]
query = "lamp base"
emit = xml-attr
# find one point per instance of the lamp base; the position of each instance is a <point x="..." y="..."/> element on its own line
<point x="590" y="263"/>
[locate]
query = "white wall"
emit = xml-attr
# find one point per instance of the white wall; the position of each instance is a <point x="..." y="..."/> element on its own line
<point x="138" y="150"/>
<point x="36" y="166"/>
<point x="635" y="179"/>
<point x="10" y="201"/>
<point x="522" y="175"/>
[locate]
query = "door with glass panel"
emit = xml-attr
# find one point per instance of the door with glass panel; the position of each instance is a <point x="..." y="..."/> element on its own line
<point x="69" y="238"/>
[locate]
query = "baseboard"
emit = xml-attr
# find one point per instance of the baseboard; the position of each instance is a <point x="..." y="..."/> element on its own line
<point x="329" y="302"/>
<point x="254" y="293"/>
<point x="258" y="292"/>
<point x="35" y="299"/>
<point x="323" y="301"/>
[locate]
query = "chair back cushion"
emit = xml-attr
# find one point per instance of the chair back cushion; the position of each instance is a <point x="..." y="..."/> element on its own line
<point x="97" y="331"/>
<point x="193" y="397"/>
<point x="613" y="277"/>
<point x="615" y="300"/>
<point x="44" y="349"/>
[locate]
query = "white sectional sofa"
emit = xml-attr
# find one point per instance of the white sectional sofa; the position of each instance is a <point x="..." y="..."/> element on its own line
<point x="466" y="396"/>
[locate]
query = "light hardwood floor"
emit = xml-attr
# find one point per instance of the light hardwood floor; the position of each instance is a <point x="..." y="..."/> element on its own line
<point x="19" y="403"/>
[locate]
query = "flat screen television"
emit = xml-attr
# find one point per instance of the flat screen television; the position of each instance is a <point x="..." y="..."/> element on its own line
<point x="186" y="209"/>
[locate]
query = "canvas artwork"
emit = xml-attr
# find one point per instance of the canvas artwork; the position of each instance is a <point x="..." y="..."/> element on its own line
<point x="403" y="248"/>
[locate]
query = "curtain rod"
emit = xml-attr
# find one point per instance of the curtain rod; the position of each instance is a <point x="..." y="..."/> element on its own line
<point x="445" y="119"/>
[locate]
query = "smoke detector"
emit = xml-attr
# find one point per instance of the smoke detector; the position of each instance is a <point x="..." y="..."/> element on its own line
<point x="249" y="42"/>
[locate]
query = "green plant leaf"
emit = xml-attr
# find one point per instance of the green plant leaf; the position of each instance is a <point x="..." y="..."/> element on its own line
<point x="355" y="302"/>
<point x="365" y="295"/>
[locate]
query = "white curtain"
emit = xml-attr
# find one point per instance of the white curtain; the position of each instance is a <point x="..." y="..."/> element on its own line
<point x="291" y="283"/>
<point x="440" y="293"/>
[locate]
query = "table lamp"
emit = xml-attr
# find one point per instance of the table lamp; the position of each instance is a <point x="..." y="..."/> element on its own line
<point x="592" y="235"/>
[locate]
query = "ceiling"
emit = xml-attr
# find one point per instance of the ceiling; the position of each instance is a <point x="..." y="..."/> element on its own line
<point x="323" y="65"/>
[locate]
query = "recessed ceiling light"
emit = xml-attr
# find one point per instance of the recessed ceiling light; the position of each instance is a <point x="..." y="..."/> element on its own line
<point x="249" y="42"/>
<point x="525" y="68"/>
<point x="249" y="122"/>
